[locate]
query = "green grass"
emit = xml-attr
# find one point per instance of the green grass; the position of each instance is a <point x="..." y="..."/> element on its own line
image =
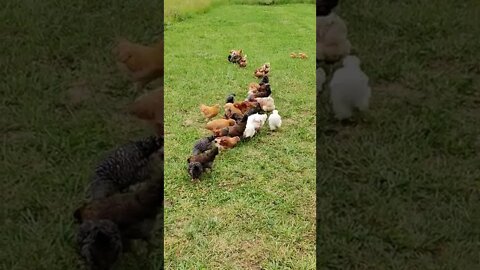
<point x="179" y="10"/>
<point x="402" y="190"/>
<point x="62" y="109"/>
<point x="257" y="207"/>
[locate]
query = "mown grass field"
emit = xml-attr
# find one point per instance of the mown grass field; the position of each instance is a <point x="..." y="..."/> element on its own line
<point x="179" y="10"/>
<point x="256" y="210"/>
<point x="401" y="191"/>
<point x="62" y="108"/>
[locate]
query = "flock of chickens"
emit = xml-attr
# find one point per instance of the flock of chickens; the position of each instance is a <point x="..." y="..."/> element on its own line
<point x="125" y="194"/>
<point x="337" y="69"/>
<point x="241" y="120"/>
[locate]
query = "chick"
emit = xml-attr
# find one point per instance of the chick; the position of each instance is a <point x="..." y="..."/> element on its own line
<point x="235" y="56"/>
<point x="198" y="164"/>
<point x="128" y="164"/>
<point x="275" y="120"/>
<point x="267" y="103"/>
<point x="134" y="213"/>
<point x="224" y="143"/>
<point x="243" y="62"/>
<point x="349" y="89"/>
<point x="203" y="145"/>
<point x="99" y="243"/>
<point x="141" y="63"/>
<point x="293" y="55"/>
<point x="230" y="98"/>
<point x="262" y="71"/>
<point x="209" y="111"/>
<point x="258" y="73"/>
<point x="266" y="68"/>
<point x="302" y="56"/>
<point x="219" y="124"/>
<point x="332" y="41"/>
<point x="149" y="107"/>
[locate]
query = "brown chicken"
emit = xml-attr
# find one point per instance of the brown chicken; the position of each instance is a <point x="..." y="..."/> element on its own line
<point x="219" y="124"/>
<point x="230" y="110"/>
<point x="149" y="107"/>
<point x="253" y="87"/>
<point x="243" y="62"/>
<point x="262" y="71"/>
<point x="293" y="55"/>
<point x="134" y="213"/>
<point x="141" y="63"/>
<point x="244" y="106"/>
<point x="224" y="143"/>
<point x="238" y="128"/>
<point x="210" y="111"/>
<point x="99" y="243"/>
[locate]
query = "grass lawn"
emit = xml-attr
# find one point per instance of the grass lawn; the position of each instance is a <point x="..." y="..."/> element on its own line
<point x="402" y="190"/>
<point x="62" y="109"/>
<point x="256" y="210"/>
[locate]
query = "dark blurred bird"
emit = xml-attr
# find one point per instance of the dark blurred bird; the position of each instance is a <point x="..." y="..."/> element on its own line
<point x="198" y="164"/>
<point x="324" y="7"/>
<point x="134" y="213"/>
<point x="230" y="98"/>
<point x="263" y="91"/>
<point x="99" y="243"/>
<point x="264" y="80"/>
<point x="125" y="166"/>
<point x="203" y="145"/>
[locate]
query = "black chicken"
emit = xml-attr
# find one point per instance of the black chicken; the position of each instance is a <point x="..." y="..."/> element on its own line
<point x="125" y="166"/>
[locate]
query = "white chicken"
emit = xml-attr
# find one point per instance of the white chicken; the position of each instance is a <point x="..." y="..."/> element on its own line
<point x="321" y="78"/>
<point x="332" y="41"/>
<point x="349" y="89"/>
<point x="275" y="120"/>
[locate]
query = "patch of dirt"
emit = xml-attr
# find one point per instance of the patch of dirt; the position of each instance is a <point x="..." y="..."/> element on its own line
<point x="78" y="93"/>
<point x="15" y="136"/>
<point x="167" y="203"/>
<point x="188" y="123"/>
<point x="386" y="93"/>
<point x="444" y="65"/>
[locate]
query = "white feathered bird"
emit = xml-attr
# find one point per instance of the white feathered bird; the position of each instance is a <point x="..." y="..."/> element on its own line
<point x="321" y="78"/>
<point x="249" y="130"/>
<point x="275" y="120"/>
<point x="254" y="123"/>
<point x="332" y="41"/>
<point x="349" y="89"/>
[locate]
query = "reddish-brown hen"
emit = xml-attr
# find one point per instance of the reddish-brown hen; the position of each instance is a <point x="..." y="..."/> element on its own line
<point x="141" y="63"/>
<point x="149" y="107"/>
<point x="225" y="142"/>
